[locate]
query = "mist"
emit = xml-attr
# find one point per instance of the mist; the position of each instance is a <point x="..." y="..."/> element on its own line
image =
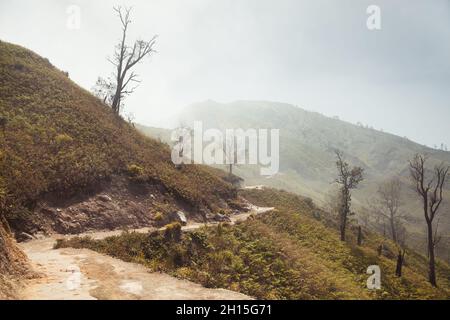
<point x="318" y="55"/>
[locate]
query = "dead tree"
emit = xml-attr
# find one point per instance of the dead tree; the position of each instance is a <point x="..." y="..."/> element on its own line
<point x="3" y="122"/>
<point x="431" y="192"/>
<point x="348" y="179"/>
<point x="400" y="260"/>
<point x="124" y="80"/>
<point x="380" y="249"/>
<point x="359" y="235"/>
<point x="231" y="154"/>
<point x="387" y="205"/>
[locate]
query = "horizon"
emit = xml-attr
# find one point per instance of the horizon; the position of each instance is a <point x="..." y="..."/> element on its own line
<point x="172" y="126"/>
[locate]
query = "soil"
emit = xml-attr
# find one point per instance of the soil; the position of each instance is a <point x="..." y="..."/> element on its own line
<point x="69" y="273"/>
<point x="116" y="203"/>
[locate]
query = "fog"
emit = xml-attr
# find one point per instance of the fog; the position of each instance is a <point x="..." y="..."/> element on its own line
<point x="318" y="55"/>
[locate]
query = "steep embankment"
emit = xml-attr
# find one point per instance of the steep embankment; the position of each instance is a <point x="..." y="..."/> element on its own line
<point x="69" y="164"/>
<point x="13" y="264"/>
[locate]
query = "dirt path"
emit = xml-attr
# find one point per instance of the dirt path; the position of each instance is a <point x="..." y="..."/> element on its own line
<point x="69" y="273"/>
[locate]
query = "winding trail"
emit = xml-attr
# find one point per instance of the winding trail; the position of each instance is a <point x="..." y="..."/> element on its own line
<point x="69" y="273"/>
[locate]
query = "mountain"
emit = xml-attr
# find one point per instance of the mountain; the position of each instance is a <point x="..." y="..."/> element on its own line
<point x="68" y="164"/>
<point x="307" y="160"/>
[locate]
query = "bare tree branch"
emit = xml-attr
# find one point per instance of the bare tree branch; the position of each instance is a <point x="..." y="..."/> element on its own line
<point x="125" y="57"/>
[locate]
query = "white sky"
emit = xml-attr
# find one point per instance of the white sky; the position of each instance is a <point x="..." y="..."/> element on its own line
<point x="317" y="54"/>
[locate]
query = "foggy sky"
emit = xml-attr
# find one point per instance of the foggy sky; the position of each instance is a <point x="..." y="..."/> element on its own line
<point x="316" y="54"/>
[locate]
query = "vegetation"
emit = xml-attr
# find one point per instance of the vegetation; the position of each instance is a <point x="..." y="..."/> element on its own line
<point x="58" y="138"/>
<point x="293" y="252"/>
<point x="387" y="207"/>
<point x="307" y="144"/>
<point x="348" y="179"/>
<point x="431" y="192"/>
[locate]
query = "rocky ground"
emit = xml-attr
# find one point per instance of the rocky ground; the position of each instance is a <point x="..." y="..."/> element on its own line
<point x="116" y="204"/>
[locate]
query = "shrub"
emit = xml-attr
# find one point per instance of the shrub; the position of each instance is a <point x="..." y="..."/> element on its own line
<point x="63" y="139"/>
<point x="173" y="232"/>
<point x="135" y="170"/>
<point x="159" y="217"/>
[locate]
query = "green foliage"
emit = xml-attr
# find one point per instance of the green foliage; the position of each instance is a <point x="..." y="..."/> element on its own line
<point x="172" y="232"/>
<point x="159" y="217"/>
<point x="135" y="170"/>
<point x="62" y="139"/>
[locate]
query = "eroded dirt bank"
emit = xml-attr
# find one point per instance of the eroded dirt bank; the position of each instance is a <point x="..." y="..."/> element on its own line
<point x="84" y="274"/>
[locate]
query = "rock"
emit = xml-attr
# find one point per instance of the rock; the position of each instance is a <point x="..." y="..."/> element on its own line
<point x="221" y="218"/>
<point x="104" y="198"/>
<point x="23" y="237"/>
<point x="39" y="235"/>
<point x="179" y="216"/>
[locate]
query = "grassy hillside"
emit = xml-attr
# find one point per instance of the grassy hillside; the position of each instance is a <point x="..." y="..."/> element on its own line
<point x="57" y="139"/>
<point x="307" y="160"/>
<point x="293" y="252"/>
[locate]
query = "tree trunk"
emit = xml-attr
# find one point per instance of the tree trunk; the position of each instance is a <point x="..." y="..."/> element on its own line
<point x="343" y="233"/>
<point x="380" y="249"/>
<point x="359" y="236"/>
<point x="231" y="170"/>
<point x="344" y="213"/>
<point x="394" y="233"/>
<point x="431" y="270"/>
<point x="343" y="225"/>
<point x="398" y="269"/>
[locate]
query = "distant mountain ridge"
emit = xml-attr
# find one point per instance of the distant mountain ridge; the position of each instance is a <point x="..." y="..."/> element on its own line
<point x="307" y="144"/>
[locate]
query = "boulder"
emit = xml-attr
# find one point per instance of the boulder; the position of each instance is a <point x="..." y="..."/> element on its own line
<point x="104" y="198"/>
<point x="178" y="216"/>
<point x="221" y="218"/>
<point x="23" y="237"/>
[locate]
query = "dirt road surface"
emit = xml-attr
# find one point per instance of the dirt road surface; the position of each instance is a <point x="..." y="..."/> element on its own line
<point x="69" y="274"/>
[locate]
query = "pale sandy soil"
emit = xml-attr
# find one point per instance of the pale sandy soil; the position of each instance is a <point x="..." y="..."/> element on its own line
<point x="69" y="273"/>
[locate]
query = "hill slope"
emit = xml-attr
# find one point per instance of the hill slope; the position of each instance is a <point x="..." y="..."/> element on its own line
<point x="62" y="149"/>
<point x="13" y="263"/>
<point x="307" y="160"/>
<point x="292" y="252"/>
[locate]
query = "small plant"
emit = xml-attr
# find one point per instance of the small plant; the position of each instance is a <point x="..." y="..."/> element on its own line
<point x="63" y="139"/>
<point x="173" y="232"/>
<point x="135" y="170"/>
<point x="159" y="217"/>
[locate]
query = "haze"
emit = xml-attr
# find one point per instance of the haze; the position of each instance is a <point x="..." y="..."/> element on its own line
<point x="318" y="55"/>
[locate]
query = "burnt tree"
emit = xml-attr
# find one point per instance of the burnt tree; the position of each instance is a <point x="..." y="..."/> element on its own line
<point x="359" y="236"/>
<point x="387" y="206"/>
<point x="400" y="260"/>
<point x="124" y="80"/>
<point x="348" y="179"/>
<point x="431" y="192"/>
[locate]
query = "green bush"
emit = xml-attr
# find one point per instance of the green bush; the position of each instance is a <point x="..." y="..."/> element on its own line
<point x="135" y="170"/>
<point x="63" y="139"/>
<point x="172" y="232"/>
